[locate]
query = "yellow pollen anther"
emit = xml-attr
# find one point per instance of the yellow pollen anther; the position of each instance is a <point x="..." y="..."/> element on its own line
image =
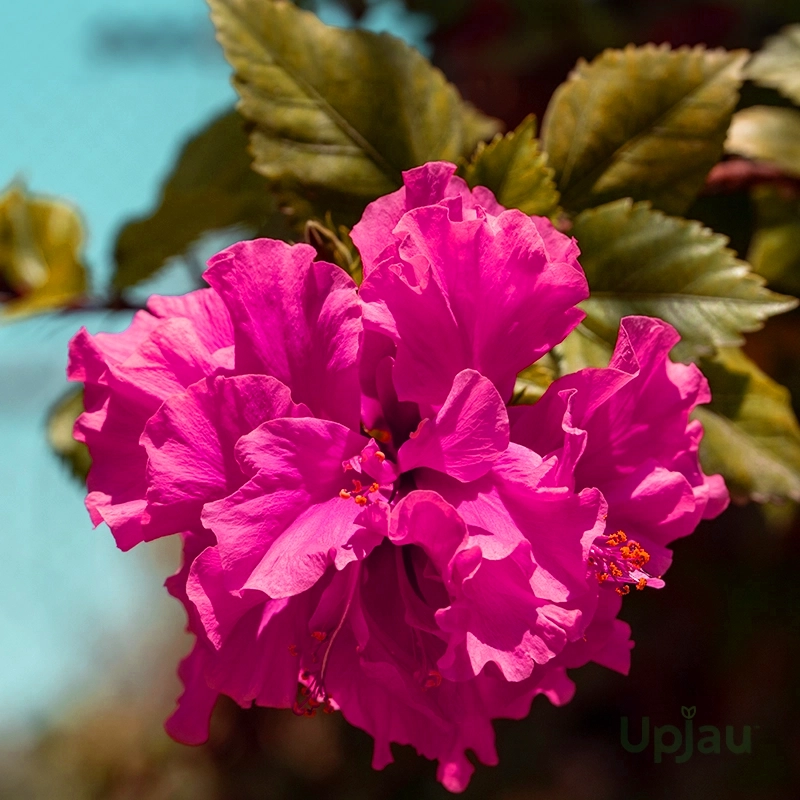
<point x="374" y="488"/>
<point x="360" y="500"/>
<point x="344" y="494"/>
<point x="616" y="538"/>
<point x="602" y="576"/>
<point x="380" y="456"/>
<point x="615" y="570"/>
<point x="641" y="583"/>
<point x="622" y="590"/>
<point x="635" y="553"/>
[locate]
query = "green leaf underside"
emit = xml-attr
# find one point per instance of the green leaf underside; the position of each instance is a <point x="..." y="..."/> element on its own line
<point x="346" y="110"/>
<point x="516" y="170"/>
<point x="766" y="133"/>
<point x="640" y="261"/>
<point x="751" y="434"/>
<point x="212" y="187"/>
<point x="778" y="64"/>
<point x="60" y="422"/>
<point x="775" y="245"/>
<point x="647" y="123"/>
<point x="40" y="254"/>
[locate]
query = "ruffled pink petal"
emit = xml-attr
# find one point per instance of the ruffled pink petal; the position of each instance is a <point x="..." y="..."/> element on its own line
<point x="427" y="185"/>
<point x="211" y="602"/>
<point x="281" y="530"/>
<point x="506" y="507"/>
<point x="625" y="430"/>
<point x="189" y="722"/>
<point x="207" y="311"/>
<point x="385" y="680"/>
<point x="190" y="445"/>
<point x="258" y="660"/>
<point x="606" y="641"/>
<point x="425" y="519"/>
<point x="295" y="319"/>
<point x="497" y="618"/>
<point x="654" y="502"/>
<point x="469" y="432"/>
<point x="127" y="376"/>
<point x="459" y="294"/>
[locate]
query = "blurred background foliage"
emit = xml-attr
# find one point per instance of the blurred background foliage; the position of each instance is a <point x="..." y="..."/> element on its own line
<point x="724" y="635"/>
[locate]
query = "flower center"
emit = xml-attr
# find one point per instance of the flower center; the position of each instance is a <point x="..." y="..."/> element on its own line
<point x="375" y="473"/>
<point x="359" y="493"/>
<point x="621" y="561"/>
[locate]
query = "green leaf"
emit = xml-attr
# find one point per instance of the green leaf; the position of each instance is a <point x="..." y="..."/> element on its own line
<point x="212" y="187"/>
<point x="584" y="348"/>
<point x="767" y="133"/>
<point x="778" y="64"/>
<point x="775" y="245"/>
<point x="41" y="267"/>
<point x="333" y="244"/>
<point x="533" y="381"/>
<point x="751" y="434"/>
<point x="646" y="123"/>
<point x="516" y="170"/>
<point x="343" y="110"/>
<point x="640" y="261"/>
<point x="60" y="422"/>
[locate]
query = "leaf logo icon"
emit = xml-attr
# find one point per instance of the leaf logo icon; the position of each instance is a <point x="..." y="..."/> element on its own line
<point x="688" y="711"/>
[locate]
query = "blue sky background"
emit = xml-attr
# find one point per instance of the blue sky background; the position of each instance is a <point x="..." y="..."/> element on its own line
<point x="97" y="98"/>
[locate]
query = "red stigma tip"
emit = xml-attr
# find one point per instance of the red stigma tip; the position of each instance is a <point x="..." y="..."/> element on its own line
<point x="433" y="680"/>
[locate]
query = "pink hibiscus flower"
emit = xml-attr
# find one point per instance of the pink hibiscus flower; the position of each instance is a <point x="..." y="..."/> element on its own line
<point x="367" y="527"/>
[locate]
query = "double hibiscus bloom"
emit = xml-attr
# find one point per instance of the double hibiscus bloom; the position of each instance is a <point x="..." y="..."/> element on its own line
<point x="367" y="525"/>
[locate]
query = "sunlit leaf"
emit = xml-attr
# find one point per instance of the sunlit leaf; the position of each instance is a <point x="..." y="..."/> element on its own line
<point x="640" y="261"/>
<point x="775" y="245"/>
<point x="751" y="434"/>
<point x="778" y="64"/>
<point x="584" y="348"/>
<point x="767" y="133"/>
<point x="211" y="187"/>
<point x="41" y="266"/>
<point x="60" y="422"/>
<point x="532" y="382"/>
<point x="343" y="110"/>
<point x="646" y="123"/>
<point x="516" y="170"/>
